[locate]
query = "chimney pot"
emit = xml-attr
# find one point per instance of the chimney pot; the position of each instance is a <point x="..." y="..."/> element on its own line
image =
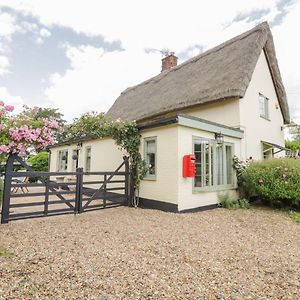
<point x="169" y="62"/>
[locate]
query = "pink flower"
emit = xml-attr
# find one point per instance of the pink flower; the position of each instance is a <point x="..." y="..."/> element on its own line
<point x="9" y="108"/>
<point x="36" y="109"/>
<point x="4" y="149"/>
<point x="1" y="127"/>
<point x="1" y="103"/>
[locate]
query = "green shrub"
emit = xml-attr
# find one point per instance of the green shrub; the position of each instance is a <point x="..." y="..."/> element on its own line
<point x="276" y="182"/>
<point x="227" y="201"/>
<point x="39" y="161"/>
<point x="244" y="203"/>
<point x="294" y="216"/>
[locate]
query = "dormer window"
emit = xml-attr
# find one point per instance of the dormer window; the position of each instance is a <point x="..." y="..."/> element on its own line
<point x="263" y="106"/>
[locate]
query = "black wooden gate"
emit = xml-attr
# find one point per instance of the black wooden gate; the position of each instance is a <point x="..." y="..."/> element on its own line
<point x="84" y="191"/>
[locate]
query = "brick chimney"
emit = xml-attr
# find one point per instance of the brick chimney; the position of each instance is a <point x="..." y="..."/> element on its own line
<point x="169" y="62"/>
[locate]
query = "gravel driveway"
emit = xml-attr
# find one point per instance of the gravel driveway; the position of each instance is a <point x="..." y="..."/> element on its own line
<point x="126" y="253"/>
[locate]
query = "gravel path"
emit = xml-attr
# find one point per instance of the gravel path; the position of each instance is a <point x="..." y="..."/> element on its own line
<point x="124" y="253"/>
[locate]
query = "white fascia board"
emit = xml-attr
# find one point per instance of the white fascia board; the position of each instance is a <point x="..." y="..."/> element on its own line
<point x="197" y="123"/>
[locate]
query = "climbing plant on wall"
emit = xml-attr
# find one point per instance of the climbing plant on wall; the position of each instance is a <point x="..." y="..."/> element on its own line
<point x="125" y="134"/>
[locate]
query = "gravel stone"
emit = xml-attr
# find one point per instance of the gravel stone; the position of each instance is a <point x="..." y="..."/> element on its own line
<point x="127" y="253"/>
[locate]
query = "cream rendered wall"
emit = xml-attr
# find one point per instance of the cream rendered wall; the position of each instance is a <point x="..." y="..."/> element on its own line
<point x="187" y="197"/>
<point x="224" y="112"/>
<point x="105" y="156"/>
<point x="256" y="128"/>
<point x="165" y="187"/>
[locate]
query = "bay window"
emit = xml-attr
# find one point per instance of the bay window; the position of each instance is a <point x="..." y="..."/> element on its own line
<point x="213" y="163"/>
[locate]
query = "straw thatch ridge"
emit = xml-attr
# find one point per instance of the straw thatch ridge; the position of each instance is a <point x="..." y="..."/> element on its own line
<point x="222" y="72"/>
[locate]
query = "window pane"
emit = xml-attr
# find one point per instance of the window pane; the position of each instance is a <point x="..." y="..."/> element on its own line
<point x="203" y="163"/>
<point x="88" y="159"/>
<point x="74" y="161"/>
<point x="219" y="164"/>
<point x="62" y="160"/>
<point x="263" y="106"/>
<point x="150" y="156"/>
<point x="229" y="169"/>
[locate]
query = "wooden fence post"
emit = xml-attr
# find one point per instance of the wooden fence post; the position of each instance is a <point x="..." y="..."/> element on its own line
<point x="78" y="194"/>
<point x="127" y="180"/>
<point x="9" y="167"/>
<point x="104" y="190"/>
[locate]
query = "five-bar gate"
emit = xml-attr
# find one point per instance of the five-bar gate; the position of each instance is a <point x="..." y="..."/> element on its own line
<point x="53" y="193"/>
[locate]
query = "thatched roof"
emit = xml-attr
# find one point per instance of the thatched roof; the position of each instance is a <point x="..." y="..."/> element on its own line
<point x="222" y="72"/>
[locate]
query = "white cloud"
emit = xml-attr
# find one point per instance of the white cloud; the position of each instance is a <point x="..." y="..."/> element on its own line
<point x="45" y="33"/>
<point x="96" y="78"/>
<point x="4" y="65"/>
<point x="7" y="25"/>
<point x="7" y="98"/>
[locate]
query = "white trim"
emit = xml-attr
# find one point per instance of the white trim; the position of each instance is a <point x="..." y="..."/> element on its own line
<point x="209" y="126"/>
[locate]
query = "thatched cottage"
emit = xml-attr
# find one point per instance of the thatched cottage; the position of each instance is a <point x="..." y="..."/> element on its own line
<point x="227" y="101"/>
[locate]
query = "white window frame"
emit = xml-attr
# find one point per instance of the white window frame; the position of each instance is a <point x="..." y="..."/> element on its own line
<point x="150" y="176"/>
<point x="212" y="180"/>
<point x="59" y="160"/>
<point x="264" y="106"/>
<point x="88" y="149"/>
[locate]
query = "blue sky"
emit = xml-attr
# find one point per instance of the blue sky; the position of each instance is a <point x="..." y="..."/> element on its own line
<point x="79" y="56"/>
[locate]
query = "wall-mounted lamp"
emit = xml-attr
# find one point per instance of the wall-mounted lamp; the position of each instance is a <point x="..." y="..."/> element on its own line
<point x="219" y="137"/>
<point x="79" y="146"/>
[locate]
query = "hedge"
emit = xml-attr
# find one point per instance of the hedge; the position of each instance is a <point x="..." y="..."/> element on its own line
<point x="276" y="182"/>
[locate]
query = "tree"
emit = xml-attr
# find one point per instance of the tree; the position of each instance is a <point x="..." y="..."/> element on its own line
<point x="39" y="161"/>
<point x="26" y="130"/>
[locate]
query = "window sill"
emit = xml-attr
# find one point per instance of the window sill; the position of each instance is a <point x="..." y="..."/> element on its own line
<point x="148" y="178"/>
<point x="266" y="118"/>
<point x="199" y="190"/>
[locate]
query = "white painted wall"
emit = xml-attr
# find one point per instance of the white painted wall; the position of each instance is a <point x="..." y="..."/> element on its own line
<point x="187" y="197"/>
<point x="165" y="187"/>
<point x="105" y="156"/>
<point x="224" y="112"/>
<point x="256" y="128"/>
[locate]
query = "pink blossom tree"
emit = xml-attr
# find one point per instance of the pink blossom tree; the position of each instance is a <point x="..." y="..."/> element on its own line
<point x="24" y="131"/>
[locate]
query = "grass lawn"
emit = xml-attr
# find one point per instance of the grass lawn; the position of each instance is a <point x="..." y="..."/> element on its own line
<point x="126" y="253"/>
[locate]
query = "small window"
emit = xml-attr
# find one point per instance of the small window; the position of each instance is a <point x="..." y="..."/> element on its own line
<point x="263" y="106"/>
<point x="74" y="160"/>
<point x="62" y="160"/>
<point x="150" y="157"/>
<point x="88" y="152"/>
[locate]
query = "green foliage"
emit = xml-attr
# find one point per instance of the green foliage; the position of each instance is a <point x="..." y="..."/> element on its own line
<point x="276" y="182"/>
<point x="227" y="201"/>
<point x="244" y="203"/>
<point x="293" y="145"/>
<point x="5" y="253"/>
<point x="39" y="161"/>
<point x="294" y="216"/>
<point x="240" y="168"/>
<point x="125" y="134"/>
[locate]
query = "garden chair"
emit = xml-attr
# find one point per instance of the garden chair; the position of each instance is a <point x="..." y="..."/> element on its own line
<point x="20" y="180"/>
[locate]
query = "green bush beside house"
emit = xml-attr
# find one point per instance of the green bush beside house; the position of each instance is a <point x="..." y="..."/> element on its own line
<point x="276" y="182"/>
